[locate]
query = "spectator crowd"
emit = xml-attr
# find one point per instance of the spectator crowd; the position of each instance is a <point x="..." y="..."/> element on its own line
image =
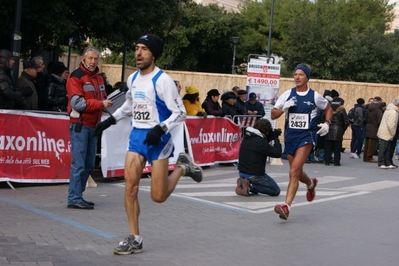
<point x="374" y="125"/>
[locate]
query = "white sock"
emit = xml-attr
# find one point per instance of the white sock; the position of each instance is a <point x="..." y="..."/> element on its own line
<point x="183" y="166"/>
<point x="138" y="238"/>
<point x="289" y="207"/>
<point x="311" y="184"/>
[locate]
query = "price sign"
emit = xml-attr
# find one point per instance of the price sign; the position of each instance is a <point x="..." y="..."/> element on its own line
<point x="263" y="81"/>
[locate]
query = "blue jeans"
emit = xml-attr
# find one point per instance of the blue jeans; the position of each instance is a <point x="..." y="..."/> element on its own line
<point x="321" y="155"/>
<point x="83" y="152"/>
<point x="357" y="139"/>
<point x="264" y="184"/>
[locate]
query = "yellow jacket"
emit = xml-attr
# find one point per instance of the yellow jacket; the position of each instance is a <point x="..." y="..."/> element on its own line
<point x="193" y="108"/>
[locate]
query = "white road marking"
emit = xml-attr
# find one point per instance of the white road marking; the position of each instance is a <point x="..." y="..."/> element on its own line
<point x="264" y="203"/>
<point x="232" y="193"/>
<point x="373" y="186"/>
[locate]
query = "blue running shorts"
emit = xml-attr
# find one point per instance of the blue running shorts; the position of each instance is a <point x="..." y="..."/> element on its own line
<point x="164" y="149"/>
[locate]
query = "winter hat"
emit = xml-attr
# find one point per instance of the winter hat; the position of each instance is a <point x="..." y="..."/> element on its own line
<point x="305" y="69"/>
<point x="252" y="96"/>
<point x="58" y="68"/>
<point x="29" y="64"/>
<point x="154" y="43"/>
<point x="5" y="57"/>
<point x="191" y="90"/>
<point x="242" y="92"/>
<point x="334" y="93"/>
<point x="228" y="95"/>
<point x="213" y="92"/>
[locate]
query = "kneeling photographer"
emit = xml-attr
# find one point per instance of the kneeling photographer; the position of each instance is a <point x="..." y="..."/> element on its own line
<point x="254" y="150"/>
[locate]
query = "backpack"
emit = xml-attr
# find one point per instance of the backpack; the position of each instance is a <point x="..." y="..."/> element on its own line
<point x="351" y="115"/>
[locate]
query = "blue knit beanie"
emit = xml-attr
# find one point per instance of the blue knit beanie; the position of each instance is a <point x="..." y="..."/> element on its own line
<point x="305" y="69"/>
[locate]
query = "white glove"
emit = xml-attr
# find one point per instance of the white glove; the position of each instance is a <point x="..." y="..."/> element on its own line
<point x="288" y="104"/>
<point x="324" y="128"/>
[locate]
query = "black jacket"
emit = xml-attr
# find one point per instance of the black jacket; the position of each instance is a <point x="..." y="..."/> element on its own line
<point x="57" y="99"/>
<point x="257" y="106"/>
<point x="339" y="124"/>
<point x="9" y="97"/>
<point x="254" y="150"/>
<point x="211" y="107"/>
<point x="240" y="105"/>
<point x="229" y="110"/>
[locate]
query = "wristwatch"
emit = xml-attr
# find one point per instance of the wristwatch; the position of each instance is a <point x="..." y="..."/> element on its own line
<point x="164" y="127"/>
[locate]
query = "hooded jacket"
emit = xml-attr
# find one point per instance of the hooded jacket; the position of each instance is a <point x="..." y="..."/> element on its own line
<point x="389" y="122"/>
<point x="254" y="150"/>
<point x="9" y="98"/>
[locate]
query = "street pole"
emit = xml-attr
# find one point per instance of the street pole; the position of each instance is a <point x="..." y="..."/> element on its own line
<point x="16" y="44"/>
<point x="69" y="51"/>
<point x="270" y="31"/>
<point x="235" y="41"/>
<point x="124" y="61"/>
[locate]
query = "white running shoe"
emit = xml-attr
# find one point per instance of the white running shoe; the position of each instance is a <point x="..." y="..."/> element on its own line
<point x="354" y="155"/>
<point x="396" y="157"/>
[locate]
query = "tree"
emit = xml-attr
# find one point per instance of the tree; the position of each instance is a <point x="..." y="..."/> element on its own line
<point x="201" y="40"/>
<point x="372" y="57"/>
<point x="320" y="33"/>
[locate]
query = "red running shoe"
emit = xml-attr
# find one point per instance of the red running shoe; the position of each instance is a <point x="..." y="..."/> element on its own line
<point x="282" y="210"/>
<point x="311" y="191"/>
<point x="242" y="187"/>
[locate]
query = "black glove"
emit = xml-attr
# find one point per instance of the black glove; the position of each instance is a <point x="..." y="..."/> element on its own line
<point x="26" y="91"/>
<point x="277" y="133"/>
<point x="154" y="136"/>
<point x="104" y="125"/>
<point x="123" y="87"/>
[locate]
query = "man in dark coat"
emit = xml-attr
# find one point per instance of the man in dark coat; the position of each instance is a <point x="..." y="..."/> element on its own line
<point x="374" y="116"/>
<point x="228" y="107"/>
<point x="240" y="102"/>
<point x="253" y="106"/>
<point x="9" y="97"/>
<point x="26" y="81"/>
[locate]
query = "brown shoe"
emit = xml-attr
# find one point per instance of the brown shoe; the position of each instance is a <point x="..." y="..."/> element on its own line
<point x="242" y="187"/>
<point x="373" y="161"/>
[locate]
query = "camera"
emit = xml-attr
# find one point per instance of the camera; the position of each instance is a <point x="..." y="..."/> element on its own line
<point x="274" y="134"/>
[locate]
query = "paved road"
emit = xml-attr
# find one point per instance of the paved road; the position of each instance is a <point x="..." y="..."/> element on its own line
<point x="352" y="221"/>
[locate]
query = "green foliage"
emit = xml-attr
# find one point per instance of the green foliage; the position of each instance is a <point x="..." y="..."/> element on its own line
<point x="322" y="35"/>
<point x="201" y="40"/>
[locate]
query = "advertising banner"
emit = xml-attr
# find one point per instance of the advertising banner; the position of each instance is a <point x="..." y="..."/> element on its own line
<point x="114" y="143"/>
<point x="34" y="147"/>
<point x="264" y="80"/>
<point x="213" y="140"/>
